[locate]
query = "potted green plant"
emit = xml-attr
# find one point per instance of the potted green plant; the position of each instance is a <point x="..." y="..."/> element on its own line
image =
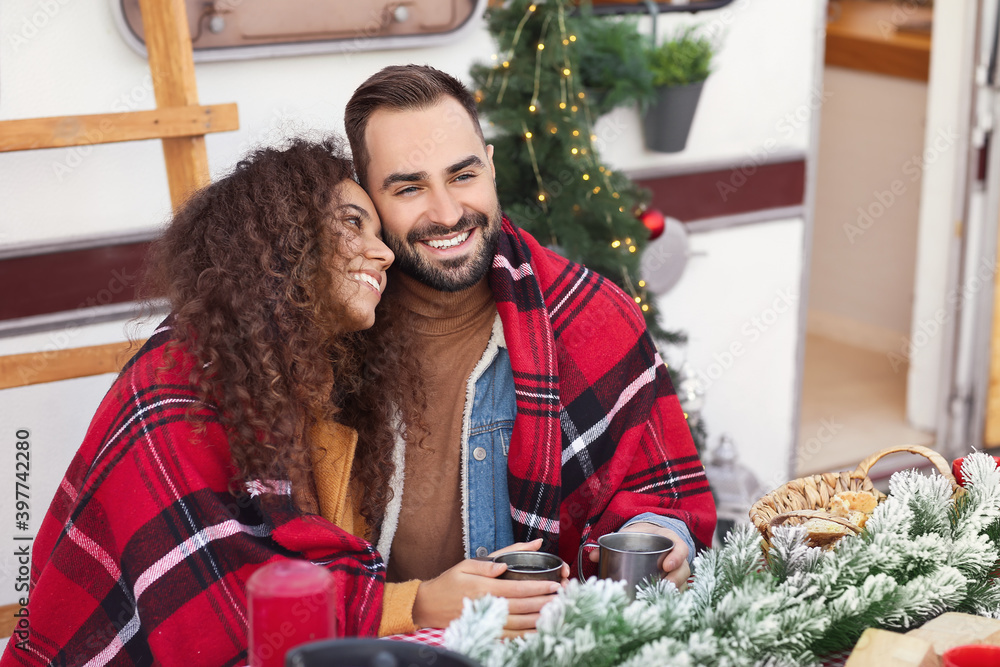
<point x="613" y="65"/>
<point x="679" y="67"/>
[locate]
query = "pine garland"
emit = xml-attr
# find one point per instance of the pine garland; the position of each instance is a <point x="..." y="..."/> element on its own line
<point x="922" y="553"/>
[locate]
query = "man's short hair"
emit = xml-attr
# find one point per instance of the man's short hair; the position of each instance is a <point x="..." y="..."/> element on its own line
<point x="399" y="88"/>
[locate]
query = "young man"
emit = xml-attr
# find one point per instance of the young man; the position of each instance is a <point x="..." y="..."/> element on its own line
<point x="550" y="414"/>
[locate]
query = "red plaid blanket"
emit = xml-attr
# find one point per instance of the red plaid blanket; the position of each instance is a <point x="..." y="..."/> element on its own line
<point x="144" y="555"/>
<point x="600" y="436"/>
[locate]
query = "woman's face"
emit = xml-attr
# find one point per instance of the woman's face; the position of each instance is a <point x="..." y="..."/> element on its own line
<point x="366" y="258"/>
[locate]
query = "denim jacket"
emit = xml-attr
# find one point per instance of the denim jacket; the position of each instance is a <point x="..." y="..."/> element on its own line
<point x="489" y="420"/>
<point x="490" y="409"/>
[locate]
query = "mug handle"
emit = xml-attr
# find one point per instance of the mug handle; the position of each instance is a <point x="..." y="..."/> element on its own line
<point x="579" y="558"/>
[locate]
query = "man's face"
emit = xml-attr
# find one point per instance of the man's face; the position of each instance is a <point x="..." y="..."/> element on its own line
<point x="431" y="179"/>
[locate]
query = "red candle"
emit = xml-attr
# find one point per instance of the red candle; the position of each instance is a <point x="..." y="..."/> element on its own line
<point x="291" y="602"/>
<point x="972" y="655"/>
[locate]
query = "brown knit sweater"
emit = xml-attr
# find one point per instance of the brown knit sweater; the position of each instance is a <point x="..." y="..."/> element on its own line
<point x="333" y="457"/>
<point x="453" y="330"/>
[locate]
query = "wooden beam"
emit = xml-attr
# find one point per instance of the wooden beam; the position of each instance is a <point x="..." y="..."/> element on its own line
<point x="8" y="622"/>
<point x="21" y="370"/>
<point x="63" y="131"/>
<point x="171" y="62"/>
<point x="880" y="37"/>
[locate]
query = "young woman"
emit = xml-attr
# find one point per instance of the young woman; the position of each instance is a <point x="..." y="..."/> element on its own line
<point x="257" y="423"/>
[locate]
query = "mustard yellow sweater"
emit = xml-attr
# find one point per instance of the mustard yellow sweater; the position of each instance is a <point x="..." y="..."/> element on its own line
<point x="333" y="456"/>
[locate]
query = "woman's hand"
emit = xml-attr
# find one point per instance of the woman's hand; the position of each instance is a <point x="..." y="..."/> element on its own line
<point x="439" y="600"/>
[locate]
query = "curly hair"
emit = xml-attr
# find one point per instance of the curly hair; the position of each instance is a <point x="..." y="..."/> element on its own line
<point x="246" y="266"/>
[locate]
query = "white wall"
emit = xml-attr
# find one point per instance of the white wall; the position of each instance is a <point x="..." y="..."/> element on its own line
<point x="871" y="160"/>
<point x="756" y="107"/>
<point x="739" y="302"/>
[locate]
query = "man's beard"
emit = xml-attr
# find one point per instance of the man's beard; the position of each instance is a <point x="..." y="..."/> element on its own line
<point x="455" y="274"/>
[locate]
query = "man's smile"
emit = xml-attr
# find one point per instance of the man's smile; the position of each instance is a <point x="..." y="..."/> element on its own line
<point x="456" y="240"/>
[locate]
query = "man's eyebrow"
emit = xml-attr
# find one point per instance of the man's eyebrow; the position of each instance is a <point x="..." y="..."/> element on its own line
<point x="392" y="179"/>
<point x="472" y="160"/>
<point x="398" y="177"/>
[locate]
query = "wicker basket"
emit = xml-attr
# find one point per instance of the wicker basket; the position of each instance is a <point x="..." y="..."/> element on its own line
<point x="808" y="497"/>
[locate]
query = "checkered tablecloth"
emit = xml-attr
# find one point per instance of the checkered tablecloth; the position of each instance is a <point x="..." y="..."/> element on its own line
<point x="837" y="659"/>
<point x="432" y="636"/>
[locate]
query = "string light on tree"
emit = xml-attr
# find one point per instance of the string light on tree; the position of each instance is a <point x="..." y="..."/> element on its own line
<point x="544" y="130"/>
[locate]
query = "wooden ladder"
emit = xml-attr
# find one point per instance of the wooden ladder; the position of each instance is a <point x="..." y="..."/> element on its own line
<point x="182" y="125"/>
<point x="178" y="120"/>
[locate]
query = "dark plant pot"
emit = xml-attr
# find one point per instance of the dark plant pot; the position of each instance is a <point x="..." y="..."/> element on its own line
<point x="667" y="121"/>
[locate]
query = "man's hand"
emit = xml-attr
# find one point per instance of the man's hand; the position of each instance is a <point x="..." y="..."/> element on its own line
<point x="439" y="600"/>
<point x="675" y="564"/>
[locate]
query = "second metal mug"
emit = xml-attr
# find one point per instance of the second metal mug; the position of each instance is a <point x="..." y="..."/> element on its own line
<point x="632" y="557"/>
<point x="529" y="565"/>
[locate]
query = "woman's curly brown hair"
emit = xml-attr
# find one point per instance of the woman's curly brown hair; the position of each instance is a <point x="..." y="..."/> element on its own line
<point x="246" y="265"/>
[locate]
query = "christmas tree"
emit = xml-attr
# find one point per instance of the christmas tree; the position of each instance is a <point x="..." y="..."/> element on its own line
<point x="551" y="180"/>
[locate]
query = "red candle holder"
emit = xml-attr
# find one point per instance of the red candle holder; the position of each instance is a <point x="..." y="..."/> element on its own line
<point x="972" y="655"/>
<point x="290" y="603"/>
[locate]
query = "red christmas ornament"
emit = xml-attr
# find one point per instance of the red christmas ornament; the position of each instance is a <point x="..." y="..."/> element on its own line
<point x="654" y="222"/>
<point x="956" y="469"/>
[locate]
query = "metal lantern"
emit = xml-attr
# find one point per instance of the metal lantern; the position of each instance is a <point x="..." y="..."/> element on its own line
<point x="734" y="486"/>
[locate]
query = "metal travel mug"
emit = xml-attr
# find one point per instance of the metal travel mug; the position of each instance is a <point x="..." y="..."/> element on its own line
<point x="632" y="557"/>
